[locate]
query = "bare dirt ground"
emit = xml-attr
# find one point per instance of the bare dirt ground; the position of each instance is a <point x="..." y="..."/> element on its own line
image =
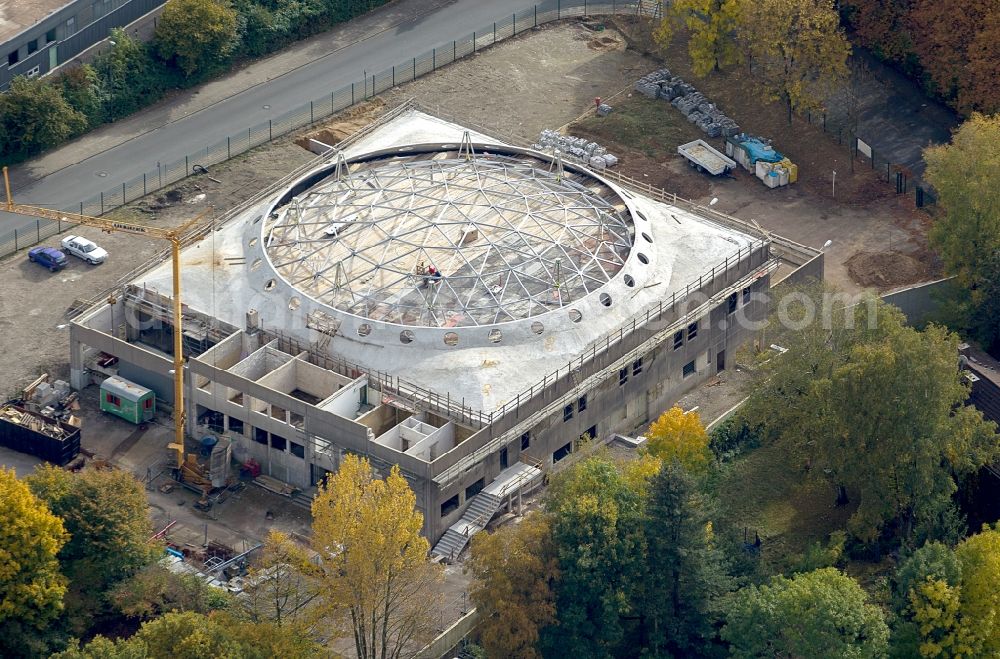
<point x="879" y="239"/>
<point x="541" y="79"/>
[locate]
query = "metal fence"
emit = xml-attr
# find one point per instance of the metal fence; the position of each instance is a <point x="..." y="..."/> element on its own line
<point x="323" y="106"/>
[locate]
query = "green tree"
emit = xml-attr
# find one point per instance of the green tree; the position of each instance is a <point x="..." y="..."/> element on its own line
<point x="679" y="435"/>
<point x="197" y="35"/>
<point x="31" y="587"/>
<point x="597" y="528"/>
<point x="711" y="26"/>
<point x="155" y="590"/>
<point x="824" y="613"/>
<point x="685" y="571"/>
<point x="856" y="390"/>
<point x="35" y="117"/>
<point x="797" y="49"/>
<point x="966" y="176"/>
<point x="107" y="516"/>
<point x="80" y="86"/>
<point x="374" y="566"/>
<point x="128" y="79"/>
<point x="515" y="569"/>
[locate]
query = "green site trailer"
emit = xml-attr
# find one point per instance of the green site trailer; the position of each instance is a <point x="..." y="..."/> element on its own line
<point x="127" y="400"/>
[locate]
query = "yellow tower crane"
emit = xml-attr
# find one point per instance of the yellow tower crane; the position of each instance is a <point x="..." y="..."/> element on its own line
<point x="174" y="236"/>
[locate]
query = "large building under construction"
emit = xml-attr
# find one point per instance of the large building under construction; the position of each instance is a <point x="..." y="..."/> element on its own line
<point x="430" y="297"/>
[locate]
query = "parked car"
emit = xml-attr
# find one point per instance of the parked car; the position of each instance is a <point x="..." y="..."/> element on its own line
<point x="85" y="249"/>
<point x="50" y="257"/>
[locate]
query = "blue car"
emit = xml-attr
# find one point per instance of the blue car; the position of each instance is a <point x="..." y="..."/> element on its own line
<point x="49" y="257"/>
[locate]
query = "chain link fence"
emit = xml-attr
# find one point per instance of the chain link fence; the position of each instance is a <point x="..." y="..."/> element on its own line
<point x="167" y="174"/>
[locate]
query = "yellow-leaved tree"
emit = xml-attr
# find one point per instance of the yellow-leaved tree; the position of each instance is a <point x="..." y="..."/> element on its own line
<point x="679" y="435"/>
<point x="979" y="555"/>
<point x="31" y="587"/>
<point x="797" y="48"/>
<point x="374" y="564"/>
<point x="711" y="26"/>
<point x="514" y="569"/>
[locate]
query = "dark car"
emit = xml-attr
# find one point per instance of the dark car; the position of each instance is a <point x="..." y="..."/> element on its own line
<point x="49" y="257"/>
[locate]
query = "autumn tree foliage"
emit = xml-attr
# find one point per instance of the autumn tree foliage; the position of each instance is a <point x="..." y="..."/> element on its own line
<point x="711" y="26"/>
<point x="374" y="566"/>
<point x="679" y="436"/>
<point x="966" y="176"/>
<point x="947" y="601"/>
<point x="31" y="586"/>
<point x="797" y="48"/>
<point x="514" y="572"/>
<point x="951" y="45"/>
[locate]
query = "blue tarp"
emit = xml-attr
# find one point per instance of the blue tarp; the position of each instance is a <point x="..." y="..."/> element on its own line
<point x="757" y="150"/>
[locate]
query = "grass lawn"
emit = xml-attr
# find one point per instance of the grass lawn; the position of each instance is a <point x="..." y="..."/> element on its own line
<point x="788" y="509"/>
<point x="650" y="126"/>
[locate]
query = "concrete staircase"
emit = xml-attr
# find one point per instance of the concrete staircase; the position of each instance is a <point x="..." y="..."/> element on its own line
<point x="482" y="508"/>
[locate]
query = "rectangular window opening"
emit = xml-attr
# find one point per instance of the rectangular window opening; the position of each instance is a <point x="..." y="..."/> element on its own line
<point x="13" y="57"/>
<point x="278" y="442"/>
<point x="449" y="506"/>
<point x="746" y="295"/>
<point x="622" y="376"/>
<point x="260" y="436"/>
<point x="50" y="36"/>
<point x="689" y="369"/>
<point x="732" y="303"/>
<point x="678" y="339"/>
<point x="637" y="366"/>
<point x="235" y="425"/>
<point x="298" y="450"/>
<point x="475" y="488"/>
<point x="581" y="404"/>
<point x="567" y="413"/>
<point x="32" y="46"/>
<point x="561" y="453"/>
<point x="692" y="330"/>
<point x="525" y="441"/>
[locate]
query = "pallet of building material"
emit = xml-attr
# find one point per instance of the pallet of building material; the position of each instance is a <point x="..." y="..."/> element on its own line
<point x="274" y="485"/>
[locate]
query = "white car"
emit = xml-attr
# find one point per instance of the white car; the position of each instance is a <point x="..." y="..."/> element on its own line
<point x="84" y="249"/>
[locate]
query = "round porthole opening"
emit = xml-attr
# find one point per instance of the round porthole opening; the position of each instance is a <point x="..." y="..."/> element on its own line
<point x="647" y="237"/>
<point x="406" y="336"/>
<point x="269" y="286"/>
<point x="294" y="303"/>
<point x="364" y="330"/>
<point x="495" y="336"/>
<point x="605" y="299"/>
<point x="643" y="259"/>
<point x="629" y="281"/>
<point x="451" y="339"/>
<point x="575" y="315"/>
<point x="537" y="327"/>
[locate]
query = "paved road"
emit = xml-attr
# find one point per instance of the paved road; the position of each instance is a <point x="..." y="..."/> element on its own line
<point x="169" y="141"/>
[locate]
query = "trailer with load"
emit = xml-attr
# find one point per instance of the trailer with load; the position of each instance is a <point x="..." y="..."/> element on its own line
<point x="706" y="159"/>
<point x="36" y="434"/>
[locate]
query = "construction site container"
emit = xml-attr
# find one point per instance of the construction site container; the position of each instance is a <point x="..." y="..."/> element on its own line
<point x="38" y="435"/>
<point x="128" y="400"/>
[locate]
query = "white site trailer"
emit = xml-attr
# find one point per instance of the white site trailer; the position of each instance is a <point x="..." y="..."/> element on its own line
<point x="706" y="159"/>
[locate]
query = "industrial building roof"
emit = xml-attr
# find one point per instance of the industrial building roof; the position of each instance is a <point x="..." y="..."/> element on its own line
<point x="17" y="15"/>
<point x="625" y="253"/>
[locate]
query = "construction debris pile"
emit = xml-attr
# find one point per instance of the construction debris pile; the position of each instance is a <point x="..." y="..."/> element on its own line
<point x="698" y="109"/>
<point x="54" y="400"/>
<point x="39" y="435"/>
<point x="589" y="153"/>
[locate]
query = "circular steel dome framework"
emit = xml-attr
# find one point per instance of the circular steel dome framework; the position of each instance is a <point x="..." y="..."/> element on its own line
<point x="453" y="237"/>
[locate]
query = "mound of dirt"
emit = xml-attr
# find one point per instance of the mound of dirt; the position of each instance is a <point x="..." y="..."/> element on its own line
<point x="884" y="270"/>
